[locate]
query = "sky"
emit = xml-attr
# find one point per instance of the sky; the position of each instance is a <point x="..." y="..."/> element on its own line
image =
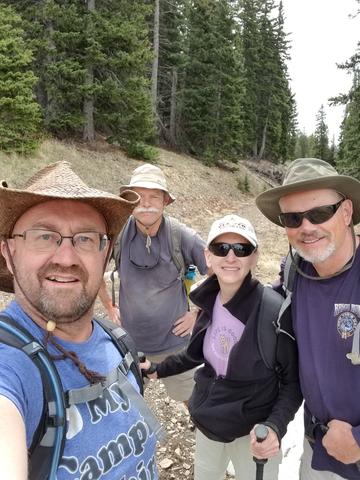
<point x="321" y="35"/>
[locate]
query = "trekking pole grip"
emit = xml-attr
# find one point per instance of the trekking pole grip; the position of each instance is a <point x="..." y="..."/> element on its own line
<point x="261" y="433"/>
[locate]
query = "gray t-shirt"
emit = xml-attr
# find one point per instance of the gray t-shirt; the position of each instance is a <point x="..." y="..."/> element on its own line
<point x="152" y="296"/>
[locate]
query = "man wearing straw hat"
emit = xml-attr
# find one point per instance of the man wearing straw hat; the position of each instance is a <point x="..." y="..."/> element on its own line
<point x="56" y="239"/>
<point x="319" y="208"/>
<point x="152" y="299"/>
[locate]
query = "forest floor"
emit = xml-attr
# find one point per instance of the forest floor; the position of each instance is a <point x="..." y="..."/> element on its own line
<point x="202" y="195"/>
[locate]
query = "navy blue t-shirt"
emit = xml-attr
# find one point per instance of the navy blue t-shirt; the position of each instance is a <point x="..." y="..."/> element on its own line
<point x="325" y="316"/>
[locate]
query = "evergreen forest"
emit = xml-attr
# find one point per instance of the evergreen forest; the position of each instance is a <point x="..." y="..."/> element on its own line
<point x="205" y="77"/>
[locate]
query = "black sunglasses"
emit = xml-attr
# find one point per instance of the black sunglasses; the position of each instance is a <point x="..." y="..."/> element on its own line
<point x="315" y="215"/>
<point x="239" y="249"/>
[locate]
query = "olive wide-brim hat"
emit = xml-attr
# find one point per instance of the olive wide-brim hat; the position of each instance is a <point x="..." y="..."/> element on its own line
<point x="309" y="174"/>
<point x="59" y="182"/>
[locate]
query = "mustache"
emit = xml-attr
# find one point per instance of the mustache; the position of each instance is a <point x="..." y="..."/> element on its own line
<point x="316" y="234"/>
<point x="146" y="210"/>
<point x="54" y="269"/>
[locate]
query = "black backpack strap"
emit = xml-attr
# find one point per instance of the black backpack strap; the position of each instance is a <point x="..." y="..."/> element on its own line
<point x="116" y="255"/>
<point x="270" y="305"/>
<point x="126" y="347"/>
<point x="175" y="245"/>
<point x="47" y="447"/>
<point x="289" y="274"/>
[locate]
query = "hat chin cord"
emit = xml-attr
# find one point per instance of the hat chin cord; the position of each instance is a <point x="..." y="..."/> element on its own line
<point x="347" y="266"/>
<point x="91" y="375"/>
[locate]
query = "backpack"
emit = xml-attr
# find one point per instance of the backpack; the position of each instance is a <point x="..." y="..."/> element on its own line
<point x="174" y="237"/>
<point x="272" y="321"/>
<point x="48" y="443"/>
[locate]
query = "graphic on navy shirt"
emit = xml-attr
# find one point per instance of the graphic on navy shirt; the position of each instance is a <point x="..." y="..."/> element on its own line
<point x="348" y="317"/>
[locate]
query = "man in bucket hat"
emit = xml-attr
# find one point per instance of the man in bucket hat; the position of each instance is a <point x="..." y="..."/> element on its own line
<point x="56" y="238"/>
<point x="319" y="208"/>
<point x="152" y="299"/>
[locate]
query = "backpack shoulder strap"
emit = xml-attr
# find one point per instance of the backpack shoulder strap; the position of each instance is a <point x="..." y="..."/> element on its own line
<point x="116" y="255"/>
<point x="126" y="347"/>
<point x="288" y="287"/>
<point x="290" y="272"/>
<point x="49" y="439"/>
<point x="270" y="305"/>
<point x="175" y="244"/>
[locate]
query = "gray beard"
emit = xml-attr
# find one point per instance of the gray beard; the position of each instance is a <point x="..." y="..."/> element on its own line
<point x="60" y="311"/>
<point x="318" y="257"/>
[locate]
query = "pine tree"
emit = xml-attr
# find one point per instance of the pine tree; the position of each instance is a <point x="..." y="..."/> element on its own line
<point x="321" y="147"/>
<point x="270" y="110"/>
<point x="173" y="50"/>
<point x="19" y="113"/>
<point x="92" y="61"/>
<point x="302" y="145"/>
<point x="348" y="159"/>
<point x="211" y="116"/>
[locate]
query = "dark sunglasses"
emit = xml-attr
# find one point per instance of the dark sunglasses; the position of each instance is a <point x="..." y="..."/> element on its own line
<point x="316" y="215"/>
<point x="239" y="249"/>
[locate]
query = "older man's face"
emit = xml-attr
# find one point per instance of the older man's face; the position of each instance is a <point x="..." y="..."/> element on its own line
<point x="151" y="206"/>
<point x="62" y="284"/>
<point x="318" y="243"/>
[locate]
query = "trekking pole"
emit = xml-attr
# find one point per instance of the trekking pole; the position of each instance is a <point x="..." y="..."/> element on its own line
<point x="261" y="433"/>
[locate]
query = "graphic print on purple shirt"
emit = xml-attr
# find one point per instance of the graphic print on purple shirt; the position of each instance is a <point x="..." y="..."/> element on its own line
<point x="225" y="330"/>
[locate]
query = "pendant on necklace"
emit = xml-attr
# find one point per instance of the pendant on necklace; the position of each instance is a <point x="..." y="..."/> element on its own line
<point x="148" y="243"/>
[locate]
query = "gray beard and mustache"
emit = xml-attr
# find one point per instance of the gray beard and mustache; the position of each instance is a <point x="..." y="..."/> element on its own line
<point x="318" y="256"/>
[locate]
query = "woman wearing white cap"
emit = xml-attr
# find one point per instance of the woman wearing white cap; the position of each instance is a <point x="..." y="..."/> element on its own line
<point x="235" y="389"/>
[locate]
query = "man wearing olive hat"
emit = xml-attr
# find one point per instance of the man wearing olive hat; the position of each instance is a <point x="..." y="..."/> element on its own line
<point x="318" y="209"/>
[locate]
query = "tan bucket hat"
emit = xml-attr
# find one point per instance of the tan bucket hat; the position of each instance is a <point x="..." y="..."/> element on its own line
<point x="148" y="176"/>
<point x="58" y="182"/>
<point x="309" y="174"/>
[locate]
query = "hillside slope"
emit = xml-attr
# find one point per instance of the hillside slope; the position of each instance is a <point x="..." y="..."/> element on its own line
<point x="202" y="195"/>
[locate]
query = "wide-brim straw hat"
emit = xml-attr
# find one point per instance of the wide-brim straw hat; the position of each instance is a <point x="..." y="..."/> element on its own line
<point x="309" y="174"/>
<point x="149" y="176"/>
<point x="59" y="182"/>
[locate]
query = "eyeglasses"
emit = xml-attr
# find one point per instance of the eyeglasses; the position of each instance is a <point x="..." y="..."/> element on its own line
<point x="239" y="249"/>
<point x="40" y="240"/>
<point x="315" y="215"/>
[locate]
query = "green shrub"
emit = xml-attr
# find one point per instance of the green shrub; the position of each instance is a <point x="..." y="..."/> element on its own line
<point x="243" y="184"/>
<point x="142" y="151"/>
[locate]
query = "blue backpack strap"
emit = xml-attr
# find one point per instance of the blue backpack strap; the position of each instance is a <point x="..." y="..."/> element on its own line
<point x="130" y="362"/>
<point x="48" y="444"/>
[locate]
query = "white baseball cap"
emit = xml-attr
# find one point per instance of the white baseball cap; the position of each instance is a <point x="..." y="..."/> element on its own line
<point x="232" y="224"/>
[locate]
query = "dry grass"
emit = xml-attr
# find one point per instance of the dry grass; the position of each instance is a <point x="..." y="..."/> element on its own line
<point x="203" y="194"/>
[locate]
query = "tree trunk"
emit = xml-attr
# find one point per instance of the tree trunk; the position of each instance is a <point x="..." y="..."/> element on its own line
<point x="88" y="106"/>
<point x="155" y="64"/>
<point x="45" y="97"/>
<point x="263" y="139"/>
<point x="174" y="79"/>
